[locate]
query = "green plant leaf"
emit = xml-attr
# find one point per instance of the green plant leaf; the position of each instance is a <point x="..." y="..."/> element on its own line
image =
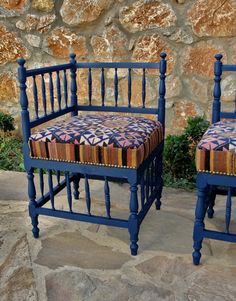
<point x="179" y="154"/>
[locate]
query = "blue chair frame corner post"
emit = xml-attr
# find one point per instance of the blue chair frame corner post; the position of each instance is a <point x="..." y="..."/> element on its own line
<point x="26" y="134"/>
<point x="161" y="107"/>
<point x="147" y="176"/>
<point x="74" y="103"/>
<point x="209" y="182"/>
<point x="200" y="212"/>
<point x="134" y="220"/>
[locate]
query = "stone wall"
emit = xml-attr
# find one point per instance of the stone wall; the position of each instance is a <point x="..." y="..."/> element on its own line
<point x="190" y="31"/>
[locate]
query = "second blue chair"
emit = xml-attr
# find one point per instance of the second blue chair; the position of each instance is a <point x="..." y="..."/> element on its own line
<point x="216" y="167"/>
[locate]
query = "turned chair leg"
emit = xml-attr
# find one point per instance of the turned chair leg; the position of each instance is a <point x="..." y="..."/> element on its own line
<point x="133" y="224"/>
<point x="159" y="195"/>
<point x="212" y="197"/>
<point x="32" y="203"/>
<point x="159" y="182"/>
<point x="35" y="222"/>
<point x="200" y="212"/>
<point x="76" y="186"/>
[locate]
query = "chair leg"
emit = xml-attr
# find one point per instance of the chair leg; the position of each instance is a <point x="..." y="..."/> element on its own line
<point x="159" y="182"/>
<point x="199" y="223"/>
<point x="133" y="224"/>
<point x="76" y="186"/>
<point x="212" y="197"/>
<point x="32" y="203"/>
<point x="35" y="222"/>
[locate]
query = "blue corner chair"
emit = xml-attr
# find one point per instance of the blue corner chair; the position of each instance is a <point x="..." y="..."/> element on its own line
<point x="216" y="168"/>
<point x="63" y="151"/>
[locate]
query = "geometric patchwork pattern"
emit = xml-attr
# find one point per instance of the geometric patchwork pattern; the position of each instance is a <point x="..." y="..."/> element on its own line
<point x="112" y="139"/>
<point x="220" y="136"/>
<point x="217" y="148"/>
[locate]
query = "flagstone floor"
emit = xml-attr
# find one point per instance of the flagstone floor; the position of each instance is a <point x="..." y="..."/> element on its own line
<point x="73" y="261"/>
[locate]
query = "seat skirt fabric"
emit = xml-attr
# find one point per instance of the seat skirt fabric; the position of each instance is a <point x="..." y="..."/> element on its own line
<point x="216" y="152"/>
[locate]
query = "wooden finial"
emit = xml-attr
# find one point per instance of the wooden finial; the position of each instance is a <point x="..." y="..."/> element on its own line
<point x="218" y="56"/>
<point x="21" y="62"/>
<point x="163" y="55"/>
<point x="72" y="56"/>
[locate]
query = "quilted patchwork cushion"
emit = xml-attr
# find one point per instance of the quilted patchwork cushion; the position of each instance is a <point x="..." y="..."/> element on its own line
<point x="216" y="152"/>
<point x="110" y="140"/>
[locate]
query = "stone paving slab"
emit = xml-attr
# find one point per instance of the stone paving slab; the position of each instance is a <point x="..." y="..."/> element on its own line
<point x="74" y="261"/>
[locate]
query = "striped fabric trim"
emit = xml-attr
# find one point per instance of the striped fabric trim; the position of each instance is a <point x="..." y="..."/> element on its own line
<point x="85" y="163"/>
<point x="216" y="161"/>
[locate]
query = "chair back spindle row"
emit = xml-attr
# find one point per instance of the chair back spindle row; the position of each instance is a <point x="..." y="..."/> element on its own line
<point x="116" y="86"/>
<point x="46" y="90"/>
<point x="50" y="88"/>
<point x="219" y="68"/>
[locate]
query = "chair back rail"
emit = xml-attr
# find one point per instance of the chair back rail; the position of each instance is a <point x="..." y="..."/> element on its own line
<point x="226" y="67"/>
<point x="44" y="70"/>
<point x="219" y="68"/>
<point x="50" y="92"/>
<point x="120" y="65"/>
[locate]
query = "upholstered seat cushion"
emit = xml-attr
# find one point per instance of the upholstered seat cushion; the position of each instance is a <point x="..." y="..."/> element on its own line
<point x="110" y="140"/>
<point x="216" y="152"/>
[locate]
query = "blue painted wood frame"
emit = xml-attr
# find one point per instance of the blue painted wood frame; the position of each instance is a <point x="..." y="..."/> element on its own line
<point x="208" y="183"/>
<point x="74" y="171"/>
<point x="219" y="67"/>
